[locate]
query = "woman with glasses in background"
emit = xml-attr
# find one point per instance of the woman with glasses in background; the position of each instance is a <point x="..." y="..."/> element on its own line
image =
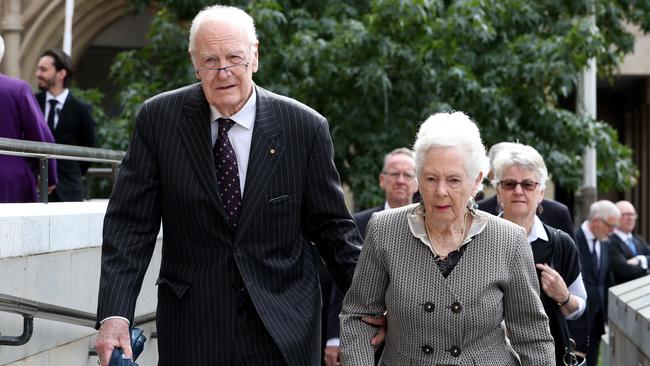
<point x="520" y="176"/>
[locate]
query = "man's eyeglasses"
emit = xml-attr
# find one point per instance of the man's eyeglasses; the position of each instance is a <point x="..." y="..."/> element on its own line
<point x="209" y="73"/>
<point x="396" y="175"/>
<point x="511" y="184"/>
<point x="629" y="215"/>
<point x="610" y="226"/>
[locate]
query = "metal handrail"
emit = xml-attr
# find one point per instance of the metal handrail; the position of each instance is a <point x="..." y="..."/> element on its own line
<point x="45" y="151"/>
<point x="30" y="309"/>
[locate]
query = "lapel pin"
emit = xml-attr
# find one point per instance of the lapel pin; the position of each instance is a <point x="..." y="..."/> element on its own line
<point x="272" y="151"/>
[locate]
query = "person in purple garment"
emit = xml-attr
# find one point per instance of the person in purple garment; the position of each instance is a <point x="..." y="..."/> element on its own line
<point x="20" y="118"/>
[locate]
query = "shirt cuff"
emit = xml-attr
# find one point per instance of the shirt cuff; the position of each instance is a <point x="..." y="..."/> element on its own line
<point x="643" y="261"/>
<point x="333" y="342"/>
<point x="116" y="317"/>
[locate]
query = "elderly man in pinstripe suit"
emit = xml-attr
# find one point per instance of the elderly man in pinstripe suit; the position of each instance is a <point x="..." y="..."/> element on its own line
<point x="243" y="181"/>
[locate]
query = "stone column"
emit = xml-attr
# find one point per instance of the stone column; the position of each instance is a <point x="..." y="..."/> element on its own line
<point x="12" y="27"/>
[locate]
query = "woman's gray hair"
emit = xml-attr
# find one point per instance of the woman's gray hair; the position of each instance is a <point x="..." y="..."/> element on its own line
<point x="228" y="13"/>
<point x="453" y="129"/>
<point x="522" y="156"/>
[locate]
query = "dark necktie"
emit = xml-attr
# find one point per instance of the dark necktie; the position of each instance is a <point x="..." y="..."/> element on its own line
<point x="50" y="115"/>
<point x="630" y="244"/>
<point x="227" y="172"/>
<point x="594" y="257"/>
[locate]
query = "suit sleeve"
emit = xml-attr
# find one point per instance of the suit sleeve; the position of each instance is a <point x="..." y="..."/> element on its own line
<point x="621" y="270"/>
<point x="565" y="223"/>
<point x="366" y="297"/>
<point x="34" y="128"/>
<point x="524" y="314"/>
<point x="131" y="225"/>
<point x="328" y="222"/>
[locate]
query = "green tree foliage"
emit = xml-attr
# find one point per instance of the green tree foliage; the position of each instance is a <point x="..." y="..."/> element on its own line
<point x="376" y="69"/>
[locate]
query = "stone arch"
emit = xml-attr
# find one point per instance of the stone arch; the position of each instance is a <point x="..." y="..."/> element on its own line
<point x="43" y="27"/>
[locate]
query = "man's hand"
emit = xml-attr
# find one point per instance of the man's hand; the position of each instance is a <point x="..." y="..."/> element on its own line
<point x="113" y="333"/>
<point x="380" y="323"/>
<point x="50" y="189"/>
<point x="634" y="261"/>
<point x="331" y="357"/>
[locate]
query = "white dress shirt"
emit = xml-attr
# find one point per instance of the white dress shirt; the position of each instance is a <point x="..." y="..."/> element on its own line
<point x="240" y="134"/>
<point x="61" y="101"/>
<point x="591" y="239"/>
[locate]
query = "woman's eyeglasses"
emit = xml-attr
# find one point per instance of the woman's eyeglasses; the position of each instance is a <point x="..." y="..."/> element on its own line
<point x="511" y="184"/>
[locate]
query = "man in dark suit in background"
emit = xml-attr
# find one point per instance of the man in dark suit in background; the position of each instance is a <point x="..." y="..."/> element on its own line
<point x="552" y="213"/>
<point x="591" y="239"/>
<point x="397" y="180"/>
<point x="244" y="181"/>
<point x="69" y="120"/>
<point x="629" y="253"/>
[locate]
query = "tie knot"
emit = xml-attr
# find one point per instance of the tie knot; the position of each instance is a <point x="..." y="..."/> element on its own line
<point x="53" y="102"/>
<point x="225" y="124"/>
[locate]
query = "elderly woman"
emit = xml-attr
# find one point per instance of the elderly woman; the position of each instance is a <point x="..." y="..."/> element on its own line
<point x="520" y="176"/>
<point x="448" y="275"/>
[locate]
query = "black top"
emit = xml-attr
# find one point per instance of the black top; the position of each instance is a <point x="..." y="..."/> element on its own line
<point x="561" y="253"/>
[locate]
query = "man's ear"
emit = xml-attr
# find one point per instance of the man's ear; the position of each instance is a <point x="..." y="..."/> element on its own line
<point x="255" y="58"/>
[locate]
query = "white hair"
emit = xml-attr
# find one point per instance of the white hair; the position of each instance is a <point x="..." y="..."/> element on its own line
<point x="2" y="48"/>
<point x="224" y="13"/>
<point x="522" y="156"/>
<point x="454" y="129"/>
<point x="603" y="210"/>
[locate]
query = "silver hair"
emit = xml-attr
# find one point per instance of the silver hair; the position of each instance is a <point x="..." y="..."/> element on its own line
<point x="2" y="48"/>
<point x="494" y="150"/>
<point x="453" y="129"/>
<point x="231" y="14"/>
<point x="522" y="156"/>
<point x="399" y="151"/>
<point x="603" y="209"/>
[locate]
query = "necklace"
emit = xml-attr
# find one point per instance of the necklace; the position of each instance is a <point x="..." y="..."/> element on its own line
<point x="439" y="256"/>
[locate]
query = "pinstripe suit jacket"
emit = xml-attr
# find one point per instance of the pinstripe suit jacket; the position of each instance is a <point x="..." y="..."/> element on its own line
<point x="292" y="197"/>
<point x="454" y="320"/>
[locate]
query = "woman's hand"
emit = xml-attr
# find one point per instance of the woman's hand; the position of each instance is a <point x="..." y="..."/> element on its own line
<point x="553" y="284"/>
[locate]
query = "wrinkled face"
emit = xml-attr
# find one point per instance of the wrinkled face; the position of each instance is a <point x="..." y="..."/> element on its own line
<point x="47" y="75"/>
<point x="602" y="229"/>
<point x="628" y="217"/>
<point x="513" y="193"/>
<point x="220" y="44"/>
<point x="398" y="180"/>
<point x="444" y="184"/>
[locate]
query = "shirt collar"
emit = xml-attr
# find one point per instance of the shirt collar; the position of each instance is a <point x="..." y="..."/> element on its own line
<point x="244" y="117"/>
<point x="588" y="234"/>
<point x="416" y="225"/>
<point x="537" y="231"/>
<point x="622" y="235"/>
<point x="59" y="98"/>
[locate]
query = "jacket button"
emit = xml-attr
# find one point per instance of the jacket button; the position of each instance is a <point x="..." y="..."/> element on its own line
<point x="456" y="307"/>
<point x="427" y="349"/>
<point x="455" y="351"/>
<point x="428" y="307"/>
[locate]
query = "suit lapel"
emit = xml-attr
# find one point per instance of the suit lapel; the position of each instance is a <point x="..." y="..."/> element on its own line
<point x="587" y="263"/>
<point x="266" y="150"/>
<point x="195" y="135"/>
<point x="40" y="97"/>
